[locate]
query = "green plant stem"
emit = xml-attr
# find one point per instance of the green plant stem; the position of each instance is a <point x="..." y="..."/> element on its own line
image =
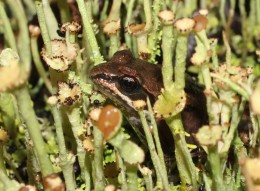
<point x="154" y="35"/>
<point x="90" y="33"/>
<point x="228" y="50"/>
<point x="9" y="35"/>
<point x="122" y="172"/>
<point x="9" y="185"/>
<point x="255" y="125"/>
<point x="99" y="183"/>
<point x="174" y="6"/>
<point x="184" y="161"/>
<point x="214" y="56"/>
<point x="95" y="7"/>
<point x="213" y="118"/>
<point x="231" y="13"/>
<point x="50" y="20"/>
<point x="206" y="182"/>
<point x="77" y="129"/>
<point x="141" y="40"/>
<point x="8" y="113"/>
<point x="257" y="12"/>
<point x="236" y="115"/>
<point x="70" y="38"/>
<point x="64" y="11"/>
<point x="13" y="166"/>
<point x="66" y="161"/>
<point x="206" y="76"/>
<point x="130" y="6"/>
<point x="38" y="63"/>
<point x="156" y="136"/>
<point x="225" y="114"/>
<point x="167" y="49"/>
<point x="222" y="12"/>
<point x="233" y="86"/>
<point x="132" y="178"/>
<point x="103" y="13"/>
<point x="226" y="107"/>
<point x="44" y="29"/>
<point x="245" y="35"/>
<point x="30" y="8"/>
<point x="148" y="15"/>
<point x="189" y="7"/>
<point x="114" y="44"/>
<point x="88" y="166"/>
<point x="2" y="161"/>
<point x="89" y="10"/>
<point x="25" y="107"/>
<point x="203" y="4"/>
<point x="217" y="177"/>
<point x="114" y="13"/>
<point x="23" y="41"/>
<point x="180" y="61"/>
<point x="203" y="39"/>
<point x="160" y="173"/>
<point x="147" y="174"/>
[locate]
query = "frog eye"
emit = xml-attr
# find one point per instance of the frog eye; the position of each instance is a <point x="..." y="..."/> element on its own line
<point x="128" y="84"/>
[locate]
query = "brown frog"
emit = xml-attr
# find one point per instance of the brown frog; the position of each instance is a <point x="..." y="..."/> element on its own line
<point x="124" y="79"/>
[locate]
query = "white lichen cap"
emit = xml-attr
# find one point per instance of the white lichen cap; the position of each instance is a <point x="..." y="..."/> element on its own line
<point x="167" y="17"/>
<point x="62" y="55"/>
<point x="184" y="25"/>
<point x="12" y="72"/>
<point x="111" y="27"/>
<point x="136" y="29"/>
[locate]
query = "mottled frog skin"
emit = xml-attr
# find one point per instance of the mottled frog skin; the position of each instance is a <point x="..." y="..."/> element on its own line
<point x="124" y="79"/>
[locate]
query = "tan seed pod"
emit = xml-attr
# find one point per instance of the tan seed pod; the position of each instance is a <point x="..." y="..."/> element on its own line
<point x="71" y="27"/>
<point x="12" y="73"/>
<point x="139" y="104"/>
<point x="62" y="55"/>
<point x="111" y="27"/>
<point x="136" y="29"/>
<point x="68" y="93"/>
<point x="167" y="17"/>
<point x="184" y="25"/>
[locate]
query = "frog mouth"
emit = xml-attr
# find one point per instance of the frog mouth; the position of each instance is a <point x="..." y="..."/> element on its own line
<point x="109" y="89"/>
